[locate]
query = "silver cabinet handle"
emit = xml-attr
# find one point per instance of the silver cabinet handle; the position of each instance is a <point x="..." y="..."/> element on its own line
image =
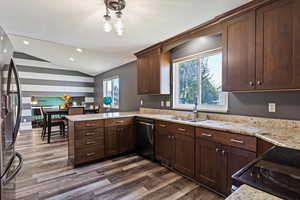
<point x="206" y="135"/>
<point x="181" y="129"/>
<point x="223" y="152"/>
<point x="90" y="154"/>
<point x="169" y="137"/>
<point x="90" y="142"/>
<point x="89" y="125"/>
<point x="237" y="141"/>
<point x="162" y="125"/>
<point x="89" y="134"/>
<point x="259" y="82"/>
<point x="120" y="121"/>
<point x="251" y="83"/>
<point x="217" y="149"/>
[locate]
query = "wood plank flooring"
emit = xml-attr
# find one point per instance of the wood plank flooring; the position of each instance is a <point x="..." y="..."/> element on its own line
<point x="46" y="175"/>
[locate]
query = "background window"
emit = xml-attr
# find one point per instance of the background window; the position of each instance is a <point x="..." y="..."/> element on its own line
<point x="111" y="89"/>
<point x="199" y="79"/>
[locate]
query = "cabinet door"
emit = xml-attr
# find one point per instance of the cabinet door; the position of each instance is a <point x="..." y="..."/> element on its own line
<point x="237" y="159"/>
<point x="239" y="53"/>
<point x="277" y="46"/>
<point x="184" y="154"/>
<point x="164" y="146"/>
<point x="263" y="146"/>
<point x="111" y="141"/>
<point x="154" y="72"/>
<point x="207" y="160"/>
<point x="143" y="75"/>
<point x="127" y="138"/>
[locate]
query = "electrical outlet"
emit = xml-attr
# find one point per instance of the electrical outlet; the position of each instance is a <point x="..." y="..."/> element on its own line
<point x="272" y="107"/>
<point x="141" y="102"/>
<point x="168" y="104"/>
<point x="162" y="104"/>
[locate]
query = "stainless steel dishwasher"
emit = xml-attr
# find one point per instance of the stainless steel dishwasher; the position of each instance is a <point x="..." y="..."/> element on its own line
<point x="145" y="138"/>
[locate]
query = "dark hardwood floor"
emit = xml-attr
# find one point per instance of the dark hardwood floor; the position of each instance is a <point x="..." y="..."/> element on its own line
<point x="46" y="175"/>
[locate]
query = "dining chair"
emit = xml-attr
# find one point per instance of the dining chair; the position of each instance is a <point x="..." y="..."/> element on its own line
<point x="54" y="122"/>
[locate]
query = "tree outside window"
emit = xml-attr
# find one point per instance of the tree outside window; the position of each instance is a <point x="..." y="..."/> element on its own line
<point x="199" y="79"/>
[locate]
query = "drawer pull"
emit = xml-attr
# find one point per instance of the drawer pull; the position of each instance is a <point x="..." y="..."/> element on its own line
<point x="237" y="141"/>
<point x="206" y="135"/>
<point x="90" y="154"/>
<point x="89" y="125"/>
<point x="119" y="122"/>
<point x="90" y="142"/>
<point x="181" y="129"/>
<point x="89" y="134"/>
<point x="162" y="125"/>
<point x="217" y="149"/>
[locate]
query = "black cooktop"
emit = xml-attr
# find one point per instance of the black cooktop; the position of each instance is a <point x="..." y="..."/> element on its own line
<point x="276" y="172"/>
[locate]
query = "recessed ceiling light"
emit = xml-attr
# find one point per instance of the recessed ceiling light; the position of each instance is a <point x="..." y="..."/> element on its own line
<point x="26" y="42"/>
<point x="4" y="50"/>
<point x="79" y="50"/>
<point x="72" y="59"/>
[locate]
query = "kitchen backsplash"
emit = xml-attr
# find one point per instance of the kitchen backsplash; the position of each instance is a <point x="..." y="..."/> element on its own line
<point x="254" y="121"/>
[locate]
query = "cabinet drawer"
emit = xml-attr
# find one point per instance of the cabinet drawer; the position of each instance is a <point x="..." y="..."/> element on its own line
<point x="119" y="121"/>
<point x="88" y="142"/>
<point x="183" y="129"/>
<point x="162" y="125"/>
<point x="89" y="124"/>
<point x="93" y="153"/>
<point x="86" y="133"/>
<point x="231" y="139"/>
<point x="242" y="141"/>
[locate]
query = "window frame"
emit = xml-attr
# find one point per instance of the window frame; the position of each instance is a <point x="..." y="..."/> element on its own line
<point x="104" y="90"/>
<point x="200" y="107"/>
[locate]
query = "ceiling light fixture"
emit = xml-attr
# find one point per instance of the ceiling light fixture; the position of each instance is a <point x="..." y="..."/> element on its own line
<point x="79" y="50"/>
<point x="26" y="42"/>
<point x="115" y="6"/>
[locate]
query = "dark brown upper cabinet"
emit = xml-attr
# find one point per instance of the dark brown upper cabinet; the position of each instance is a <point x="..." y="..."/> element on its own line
<point x="261" y="48"/>
<point x="153" y="68"/>
<point x="278" y="46"/>
<point x="239" y="53"/>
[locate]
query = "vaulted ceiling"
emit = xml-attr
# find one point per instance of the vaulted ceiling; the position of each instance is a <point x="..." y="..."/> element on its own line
<point x="56" y="28"/>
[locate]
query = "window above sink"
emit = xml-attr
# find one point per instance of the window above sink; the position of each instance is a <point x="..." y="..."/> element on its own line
<point x="199" y="78"/>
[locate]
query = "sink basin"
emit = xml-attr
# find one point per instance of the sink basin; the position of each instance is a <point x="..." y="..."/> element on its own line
<point x="184" y="119"/>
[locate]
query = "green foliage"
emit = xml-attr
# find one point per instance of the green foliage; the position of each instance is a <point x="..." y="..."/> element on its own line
<point x="188" y="78"/>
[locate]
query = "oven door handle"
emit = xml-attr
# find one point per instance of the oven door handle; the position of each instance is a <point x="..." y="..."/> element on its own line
<point x="147" y="124"/>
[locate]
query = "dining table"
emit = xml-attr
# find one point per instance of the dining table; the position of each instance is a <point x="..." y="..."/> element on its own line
<point x="50" y="112"/>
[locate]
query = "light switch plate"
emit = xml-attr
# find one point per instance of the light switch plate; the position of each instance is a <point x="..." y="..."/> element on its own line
<point x="162" y="104"/>
<point x="168" y="104"/>
<point x="272" y="107"/>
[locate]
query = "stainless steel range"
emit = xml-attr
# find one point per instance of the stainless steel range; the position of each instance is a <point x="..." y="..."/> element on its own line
<point x="276" y="172"/>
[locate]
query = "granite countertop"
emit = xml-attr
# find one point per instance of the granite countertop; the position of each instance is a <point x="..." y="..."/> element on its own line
<point x="285" y="137"/>
<point x="246" y="192"/>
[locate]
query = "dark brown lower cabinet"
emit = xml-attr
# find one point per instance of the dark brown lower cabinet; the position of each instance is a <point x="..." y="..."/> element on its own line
<point x="237" y="159"/>
<point x="263" y="146"/>
<point x="127" y="138"/>
<point x="175" y="147"/>
<point x="184" y="154"/>
<point x="164" y="143"/>
<point x="119" y="139"/>
<point x="111" y="141"/>
<point x="219" y="155"/>
<point x="207" y="162"/>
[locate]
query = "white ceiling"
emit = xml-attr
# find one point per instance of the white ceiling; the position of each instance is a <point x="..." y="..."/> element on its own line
<point x="69" y="24"/>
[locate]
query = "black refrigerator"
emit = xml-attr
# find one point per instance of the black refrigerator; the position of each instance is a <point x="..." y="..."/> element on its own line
<point x="10" y="160"/>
